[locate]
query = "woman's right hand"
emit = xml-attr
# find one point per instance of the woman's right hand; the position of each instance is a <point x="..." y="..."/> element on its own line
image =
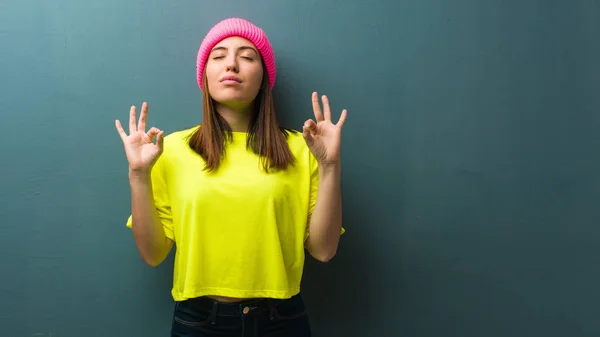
<point x="139" y="145"/>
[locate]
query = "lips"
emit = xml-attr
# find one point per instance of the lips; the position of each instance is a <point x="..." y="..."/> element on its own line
<point x="231" y="78"/>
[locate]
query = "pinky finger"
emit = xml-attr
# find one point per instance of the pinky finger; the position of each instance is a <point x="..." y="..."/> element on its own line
<point x="120" y="130"/>
<point x="342" y="118"/>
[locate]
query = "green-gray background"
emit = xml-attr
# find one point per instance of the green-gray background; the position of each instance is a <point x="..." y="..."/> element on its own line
<point x="471" y="170"/>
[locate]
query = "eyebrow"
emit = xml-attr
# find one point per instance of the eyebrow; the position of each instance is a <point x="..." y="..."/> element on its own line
<point x="241" y="48"/>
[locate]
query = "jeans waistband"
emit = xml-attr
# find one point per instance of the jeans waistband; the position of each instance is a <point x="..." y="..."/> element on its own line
<point x="245" y="307"/>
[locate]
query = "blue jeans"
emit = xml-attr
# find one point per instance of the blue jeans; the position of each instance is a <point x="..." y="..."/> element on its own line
<point x="204" y="317"/>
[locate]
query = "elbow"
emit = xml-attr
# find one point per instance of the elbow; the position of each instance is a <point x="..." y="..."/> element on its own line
<point x="153" y="254"/>
<point x="320" y="251"/>
<point x="152" y="260"/>
<point x="321" y="247"/>
<point x="324" y="257"/>
<point x="151" y="263"/>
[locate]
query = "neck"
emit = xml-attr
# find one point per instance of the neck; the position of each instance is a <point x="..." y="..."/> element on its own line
<point x="238" y="117"/>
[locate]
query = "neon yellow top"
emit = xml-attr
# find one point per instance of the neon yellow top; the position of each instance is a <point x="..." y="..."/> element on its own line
<point x="239" y="232"/>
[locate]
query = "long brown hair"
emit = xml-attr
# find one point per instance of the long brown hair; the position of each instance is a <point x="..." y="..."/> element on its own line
<point x="265" y="137"/>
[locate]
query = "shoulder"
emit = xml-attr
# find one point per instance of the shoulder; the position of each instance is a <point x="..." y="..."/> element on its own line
<point x="176" y="144"/>
<point x="299" y="148"/>
<point x="294" y="139"/>
<point x="179" y="137"/>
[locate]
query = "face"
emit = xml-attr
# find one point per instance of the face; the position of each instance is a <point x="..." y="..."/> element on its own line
<point x="234" y="71"/>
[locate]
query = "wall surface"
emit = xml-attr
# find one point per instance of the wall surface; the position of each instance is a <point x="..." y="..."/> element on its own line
<point x="471" y="160"/>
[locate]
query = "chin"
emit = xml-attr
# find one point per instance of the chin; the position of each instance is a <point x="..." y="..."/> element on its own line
<point x="232" y="100"/>
<point x="233" y="96"/>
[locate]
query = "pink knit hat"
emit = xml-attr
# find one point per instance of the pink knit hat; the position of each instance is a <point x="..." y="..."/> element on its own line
<point x="236" y="27"/>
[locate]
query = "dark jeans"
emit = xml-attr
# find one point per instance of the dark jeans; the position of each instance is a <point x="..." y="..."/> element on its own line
<point x="204" y="317"/>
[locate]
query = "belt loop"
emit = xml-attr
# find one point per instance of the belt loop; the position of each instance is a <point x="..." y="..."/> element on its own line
<point x="271" y="309"/>
<point x="213" y="315"/>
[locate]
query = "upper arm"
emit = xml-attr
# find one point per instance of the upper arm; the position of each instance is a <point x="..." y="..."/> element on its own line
<point x="160" y="194"/>
<point x="162" y="201"/>
<point x="313" y="189"/>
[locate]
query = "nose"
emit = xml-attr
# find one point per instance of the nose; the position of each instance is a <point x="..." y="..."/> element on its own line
<point x="231" y="64"/>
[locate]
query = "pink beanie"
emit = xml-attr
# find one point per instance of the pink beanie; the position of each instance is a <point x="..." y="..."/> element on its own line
<point x="236" y="27"/>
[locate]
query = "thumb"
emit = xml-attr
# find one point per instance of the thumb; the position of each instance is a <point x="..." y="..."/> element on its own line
<point x="160" y="139"/>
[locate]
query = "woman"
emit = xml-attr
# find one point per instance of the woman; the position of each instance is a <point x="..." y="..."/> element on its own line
<point x="240" y="196"/>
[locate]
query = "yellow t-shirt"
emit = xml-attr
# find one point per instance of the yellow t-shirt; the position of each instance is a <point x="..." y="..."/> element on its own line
<point x="239" y="231"/>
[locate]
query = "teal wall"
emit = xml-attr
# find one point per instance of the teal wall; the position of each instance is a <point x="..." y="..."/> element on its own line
<point x="471" y="160"/>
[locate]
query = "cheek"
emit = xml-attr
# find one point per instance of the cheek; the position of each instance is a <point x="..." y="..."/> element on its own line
<point x="258" y="77"/>
<point x="211" y="74"/>
<point x="211" y="78"/>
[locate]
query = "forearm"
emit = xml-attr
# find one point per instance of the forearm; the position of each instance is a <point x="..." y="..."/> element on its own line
<point x="326" y="220"/>
<point x="148" y="232"/>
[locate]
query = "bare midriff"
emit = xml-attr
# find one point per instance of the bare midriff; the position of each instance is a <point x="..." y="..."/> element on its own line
<point x="228" y="299"/>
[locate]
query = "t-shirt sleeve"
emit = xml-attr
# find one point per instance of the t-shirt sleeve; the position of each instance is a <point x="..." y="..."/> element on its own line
<point x="314" y="189"/>
<point x="161" y="197"/>
<point x="314" y="185"/>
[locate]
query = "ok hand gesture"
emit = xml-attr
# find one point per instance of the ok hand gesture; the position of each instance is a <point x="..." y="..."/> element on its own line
<point x="323" y="137"/>
<point x="140" y="148"/>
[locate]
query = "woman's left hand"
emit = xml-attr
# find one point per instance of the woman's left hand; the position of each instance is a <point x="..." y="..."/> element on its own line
<point x="323" y="137"/>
